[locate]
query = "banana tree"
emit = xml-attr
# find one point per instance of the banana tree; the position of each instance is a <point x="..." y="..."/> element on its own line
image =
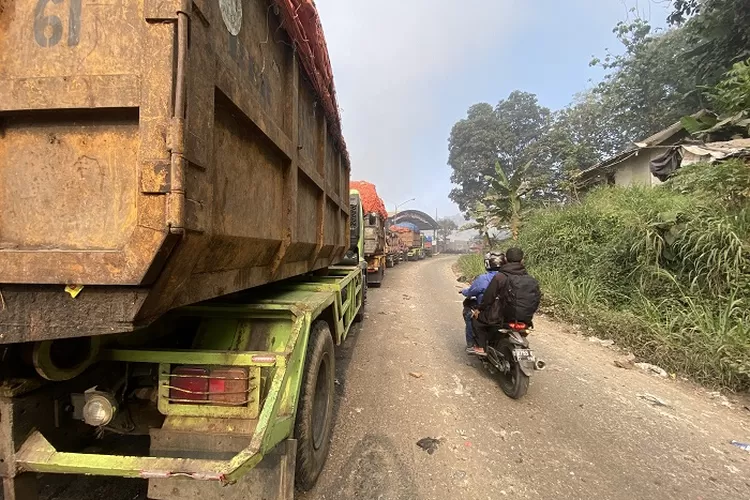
<point x="482" y="221"/>
<point x="503" y="199"/>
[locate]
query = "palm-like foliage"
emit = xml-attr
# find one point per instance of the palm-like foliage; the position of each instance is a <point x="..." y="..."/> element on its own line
<point x="503" y="199"/>
<point x="482" y="221"/>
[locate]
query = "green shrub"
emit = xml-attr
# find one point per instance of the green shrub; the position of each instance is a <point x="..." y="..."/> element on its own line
<point x="665" y="270"/>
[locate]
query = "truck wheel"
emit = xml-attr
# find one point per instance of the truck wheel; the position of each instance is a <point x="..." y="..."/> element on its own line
<point x="314" y="424"/>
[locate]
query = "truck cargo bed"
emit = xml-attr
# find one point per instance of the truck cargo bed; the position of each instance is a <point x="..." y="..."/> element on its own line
<point x="159" y="153"/>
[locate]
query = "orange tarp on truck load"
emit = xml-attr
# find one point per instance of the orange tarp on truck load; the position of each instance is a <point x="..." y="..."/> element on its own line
<point x="371" y="202"/>
<point x="302" y="22"/>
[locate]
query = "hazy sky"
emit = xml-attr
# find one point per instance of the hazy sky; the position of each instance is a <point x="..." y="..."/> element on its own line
<point x="407" y="70"/>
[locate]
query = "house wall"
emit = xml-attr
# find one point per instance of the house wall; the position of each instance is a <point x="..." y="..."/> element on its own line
<point x="635" y="170"/>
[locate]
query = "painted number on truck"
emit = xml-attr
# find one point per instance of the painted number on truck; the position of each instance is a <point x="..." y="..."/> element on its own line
<point x="48" y="29"/>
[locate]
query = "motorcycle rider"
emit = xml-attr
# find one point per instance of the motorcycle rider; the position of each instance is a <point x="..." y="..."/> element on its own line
<point x="493" y="261"/>
<point x="513" y="295"/>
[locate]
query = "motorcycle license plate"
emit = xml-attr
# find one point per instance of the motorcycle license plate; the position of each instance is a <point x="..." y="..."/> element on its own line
<point x="523" y="354"/>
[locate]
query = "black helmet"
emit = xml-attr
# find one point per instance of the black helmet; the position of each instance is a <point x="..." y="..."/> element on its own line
<point x="494" y="260"/>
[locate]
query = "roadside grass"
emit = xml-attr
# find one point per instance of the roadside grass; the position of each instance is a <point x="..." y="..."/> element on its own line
<point x="664" y="271"/>
<point x="470" y="266"/>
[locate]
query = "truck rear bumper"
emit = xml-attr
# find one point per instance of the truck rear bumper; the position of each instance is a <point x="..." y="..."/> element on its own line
<point x="170" y="478"/>
<point x="37" y="454"/>
<point x="271" y="479"/>
<point x="376" y="268"/>
<point x="28" y="418"/>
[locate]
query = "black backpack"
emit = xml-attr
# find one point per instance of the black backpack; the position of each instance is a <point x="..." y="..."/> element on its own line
<point x="522" y="298"/>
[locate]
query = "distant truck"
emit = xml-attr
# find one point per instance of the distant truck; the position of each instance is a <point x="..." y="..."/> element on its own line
<point x="412" y="239"/>
<point x="429" y="248"/>
<point x="375" y="248"/>
<point x="173" y="219"/>
<point x="395" y="249"/>
<point x="403" y="247"/>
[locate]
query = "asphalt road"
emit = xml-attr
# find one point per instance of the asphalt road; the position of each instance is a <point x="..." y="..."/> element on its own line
<point x="586" y="429"/>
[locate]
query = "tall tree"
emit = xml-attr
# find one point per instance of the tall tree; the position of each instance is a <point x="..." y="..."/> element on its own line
<point x="580" y="136"/>
<point x="446" y="228"/>
<point x="649" y="86"/>
<point x="717" y="32"/>
<point x="510" y="133"/>
<point x="473" y="150"/>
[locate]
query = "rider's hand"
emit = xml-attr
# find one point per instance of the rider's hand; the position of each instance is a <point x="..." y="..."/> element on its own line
<point x="475" y="313"/>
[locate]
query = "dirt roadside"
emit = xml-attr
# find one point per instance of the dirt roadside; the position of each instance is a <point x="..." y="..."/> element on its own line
<point x="586" y="429"/>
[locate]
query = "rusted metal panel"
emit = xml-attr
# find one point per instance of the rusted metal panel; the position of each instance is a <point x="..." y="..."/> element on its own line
<point x="66" y="187"/>
<point x="85" y="91"/>
<point x="109" y="181"/>
<point x="43" y="312"/>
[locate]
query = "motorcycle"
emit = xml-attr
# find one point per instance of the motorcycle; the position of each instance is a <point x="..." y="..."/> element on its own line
<point x="509" y="354"/>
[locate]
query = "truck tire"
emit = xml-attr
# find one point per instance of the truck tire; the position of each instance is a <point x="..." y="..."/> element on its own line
<point x="314" y="424"/>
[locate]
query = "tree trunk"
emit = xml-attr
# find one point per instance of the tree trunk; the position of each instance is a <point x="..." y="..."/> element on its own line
<point x="514" y="223"/>
<point x="515" y="218"/>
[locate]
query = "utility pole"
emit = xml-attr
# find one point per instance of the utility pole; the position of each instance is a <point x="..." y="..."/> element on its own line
<point x="436" y="233"/>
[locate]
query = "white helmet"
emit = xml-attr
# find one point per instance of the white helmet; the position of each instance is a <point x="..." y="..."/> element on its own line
<point x="494" y="260"/>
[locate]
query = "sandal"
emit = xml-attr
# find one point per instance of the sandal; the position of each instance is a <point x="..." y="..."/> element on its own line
<point x="476" y="352"/>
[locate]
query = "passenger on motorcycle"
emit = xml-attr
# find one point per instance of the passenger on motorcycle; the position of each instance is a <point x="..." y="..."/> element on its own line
<point x="493" y="261"/>
<point x="513" y="295"/>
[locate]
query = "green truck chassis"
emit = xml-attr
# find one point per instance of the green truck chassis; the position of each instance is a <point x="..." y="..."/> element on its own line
<point x="274" y="338"/>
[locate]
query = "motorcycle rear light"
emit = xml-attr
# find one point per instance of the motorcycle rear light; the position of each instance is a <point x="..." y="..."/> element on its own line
<point x="225" y="386"/>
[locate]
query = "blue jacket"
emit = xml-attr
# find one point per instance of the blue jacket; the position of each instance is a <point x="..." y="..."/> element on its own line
<point x="479" y="285"/>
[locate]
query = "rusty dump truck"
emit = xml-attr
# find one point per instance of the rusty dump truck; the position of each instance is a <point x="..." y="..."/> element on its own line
<point x="412" y="240"/>
<point x="375" y="243"/>
<point x="174" y="210"/>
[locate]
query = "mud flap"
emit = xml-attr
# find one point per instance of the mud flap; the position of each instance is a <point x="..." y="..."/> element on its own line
<point x="271" y="479"/>
<point x="527" y="366"/>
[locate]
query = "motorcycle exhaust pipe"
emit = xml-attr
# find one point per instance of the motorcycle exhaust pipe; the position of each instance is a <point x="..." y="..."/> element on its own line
<point x="540" y="365"/>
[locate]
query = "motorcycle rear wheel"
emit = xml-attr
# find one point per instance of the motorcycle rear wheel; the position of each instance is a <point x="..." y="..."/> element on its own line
<point x="514" y="382"/>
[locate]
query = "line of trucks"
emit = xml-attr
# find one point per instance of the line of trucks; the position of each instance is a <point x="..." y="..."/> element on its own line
<point x="386" y="245"/>
<point x="180" y="251"/>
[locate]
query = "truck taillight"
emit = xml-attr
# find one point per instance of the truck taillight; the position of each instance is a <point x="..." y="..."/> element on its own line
<point x="228" y="386"/>
<point x="225" y="386"/>
<point x="189" y="384"/>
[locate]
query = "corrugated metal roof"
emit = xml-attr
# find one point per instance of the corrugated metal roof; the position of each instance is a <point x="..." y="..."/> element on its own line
<point x="656" y="140"/>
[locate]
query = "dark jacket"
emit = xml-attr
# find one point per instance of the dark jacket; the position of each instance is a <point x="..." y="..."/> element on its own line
<point x="498" y="288"/>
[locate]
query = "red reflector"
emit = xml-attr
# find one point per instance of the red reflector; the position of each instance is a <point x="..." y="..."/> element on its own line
<point x="189" y="384"/>
<point x="229" y="386"/>
<point x="216" y="385"/>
